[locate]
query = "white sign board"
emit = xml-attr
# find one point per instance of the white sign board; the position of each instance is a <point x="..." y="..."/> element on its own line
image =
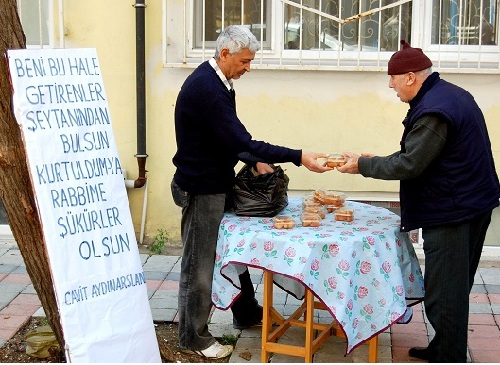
<point x="61" y="106"/>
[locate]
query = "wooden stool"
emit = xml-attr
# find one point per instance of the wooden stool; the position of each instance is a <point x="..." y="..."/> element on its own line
<point x="306" y="310"/>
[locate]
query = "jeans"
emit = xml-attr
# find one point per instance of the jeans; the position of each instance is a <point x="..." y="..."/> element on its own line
<point x="452" y="256"/>
<point x="201" y="217"/>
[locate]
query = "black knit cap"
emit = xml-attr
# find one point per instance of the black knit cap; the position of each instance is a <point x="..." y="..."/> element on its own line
<point x="408" y="59"/>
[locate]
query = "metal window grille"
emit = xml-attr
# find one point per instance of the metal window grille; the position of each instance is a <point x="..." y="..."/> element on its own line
<point x="462" y="35"/>
<point x="35" y="19"/>
<point x="460" y="22"/>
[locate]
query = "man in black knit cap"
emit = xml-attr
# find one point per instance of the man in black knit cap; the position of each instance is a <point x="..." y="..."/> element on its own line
<point x="448" y="187"/>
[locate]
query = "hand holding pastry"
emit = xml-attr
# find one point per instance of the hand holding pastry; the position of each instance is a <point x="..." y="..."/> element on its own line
<point x="351" y="165"/>
<point x="310" y="161"/>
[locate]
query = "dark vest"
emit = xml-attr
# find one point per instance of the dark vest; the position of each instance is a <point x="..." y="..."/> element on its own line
<point x="462" y="182"/>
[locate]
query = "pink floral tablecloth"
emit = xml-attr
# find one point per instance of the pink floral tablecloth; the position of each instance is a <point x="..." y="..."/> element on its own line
<point x="365" y="271"/>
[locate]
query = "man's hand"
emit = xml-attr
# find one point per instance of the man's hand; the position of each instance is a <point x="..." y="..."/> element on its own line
<point x="351" y="166"/>
<point x="263" y="168"/>
<point x="310" y="161"/>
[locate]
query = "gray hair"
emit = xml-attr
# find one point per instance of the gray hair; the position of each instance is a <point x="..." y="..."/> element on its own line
<point x="235" y="38"/>
<point x="424" y="73"/>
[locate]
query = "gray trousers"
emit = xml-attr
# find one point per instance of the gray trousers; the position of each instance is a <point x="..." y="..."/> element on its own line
<point x="452" y="256"/>
<point x="201" y="217"/>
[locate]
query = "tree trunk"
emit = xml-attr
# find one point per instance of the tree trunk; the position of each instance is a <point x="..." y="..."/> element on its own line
<point x="16" y="189"/>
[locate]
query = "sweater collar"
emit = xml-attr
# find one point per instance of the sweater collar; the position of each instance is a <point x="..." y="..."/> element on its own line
<point x="218" y="71"/>
<point x="426" y="86"/>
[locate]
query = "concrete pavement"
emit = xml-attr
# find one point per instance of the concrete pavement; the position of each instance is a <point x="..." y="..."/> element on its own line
<point x="19" y="301"/>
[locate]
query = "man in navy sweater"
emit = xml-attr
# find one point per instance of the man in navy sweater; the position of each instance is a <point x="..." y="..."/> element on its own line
<point x="210" y="142"/>
<point x="448" y="187"/>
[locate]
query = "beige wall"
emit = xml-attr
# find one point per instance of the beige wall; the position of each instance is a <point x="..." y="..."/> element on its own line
<point x="312" y="110"/>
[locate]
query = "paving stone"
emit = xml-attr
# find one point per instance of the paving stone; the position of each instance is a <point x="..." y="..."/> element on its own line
<point x="144" y="258"/>
<point x="221" y="330"/>
<point x="219" y="316"/>
<point x="256" y="278"/>
<point x="170" y="285"/>
<point x="20" y="309"/>
<point x="7" y="268"/>
<point x="153" y="284"/>
<point x="166" y="294"/>
<point x="252" y="332"/>
<point x="244" y="356"/>
<point x="175" y="276"/>
<point x="490" y="276"/>
<point x="30" y="289"/>
<point x="249" y="343"/>
<point x="163" y="314"/>
<point x="495" y="308"/>
<point x="493" y="289"/>
<point x="167" y="302"/>
<point x="160" y="263"/>
<point x="26" y="299"/>
<point x="13" y="257"/>
<point x="7" y="333"/>
<point x="13" y="278"/>
<point x="164" y="301"/>
<point x="155" y="275"/>
<point x="282" y="359"/>
<point x="478" y="288"/>
<point x="177" y="266"/>
<point x="7" y="295"/>
<point x="479" y="308"/>
<point x="40" y="313"/>
<point x="20" y="270"/>
<point x="11" y="321"/>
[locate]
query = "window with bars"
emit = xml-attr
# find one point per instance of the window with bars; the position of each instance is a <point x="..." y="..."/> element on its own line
<point x="459" y="22"/>
<point x="212" y="16"/>
<point x="35" y="19"/>
<point x="351" y="34"/>
<point x="366" y="26"/>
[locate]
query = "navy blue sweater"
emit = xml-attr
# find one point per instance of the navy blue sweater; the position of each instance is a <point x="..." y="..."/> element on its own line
<point x="210" y="136"/>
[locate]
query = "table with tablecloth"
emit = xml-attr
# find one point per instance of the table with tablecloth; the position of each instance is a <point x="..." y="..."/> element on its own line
<point x="365" y="272"/>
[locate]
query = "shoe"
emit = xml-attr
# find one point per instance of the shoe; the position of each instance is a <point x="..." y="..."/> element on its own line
<point x="423" y="353"/>
<point x="256" y="320"/>
<point x="244" y="325"/>
<point x="215" y="351"/>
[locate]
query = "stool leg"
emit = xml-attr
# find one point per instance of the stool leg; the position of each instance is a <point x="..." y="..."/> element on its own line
<point x="309" y="325"/>
<point x="266" y="313"/>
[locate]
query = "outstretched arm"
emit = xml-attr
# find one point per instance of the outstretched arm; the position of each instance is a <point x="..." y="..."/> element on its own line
<point x="310" y="161"/>
<point x="351" y="165"/>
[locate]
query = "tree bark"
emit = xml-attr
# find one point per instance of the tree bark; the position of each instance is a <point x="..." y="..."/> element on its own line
<point x="16" y="189"/>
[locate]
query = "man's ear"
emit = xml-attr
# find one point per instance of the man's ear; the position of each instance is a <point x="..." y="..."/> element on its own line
<point x="224" y="53"/>
<point x="411" y="78"/>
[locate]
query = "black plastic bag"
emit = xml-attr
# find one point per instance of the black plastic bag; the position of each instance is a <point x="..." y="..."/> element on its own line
<point x="260" y="195"/>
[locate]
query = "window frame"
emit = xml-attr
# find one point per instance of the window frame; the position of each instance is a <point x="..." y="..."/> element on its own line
<point x="49" y="19"/>
<point x="458" y="58"/>
<point x="198" y="30"/>
<point x="449" y="58"/>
